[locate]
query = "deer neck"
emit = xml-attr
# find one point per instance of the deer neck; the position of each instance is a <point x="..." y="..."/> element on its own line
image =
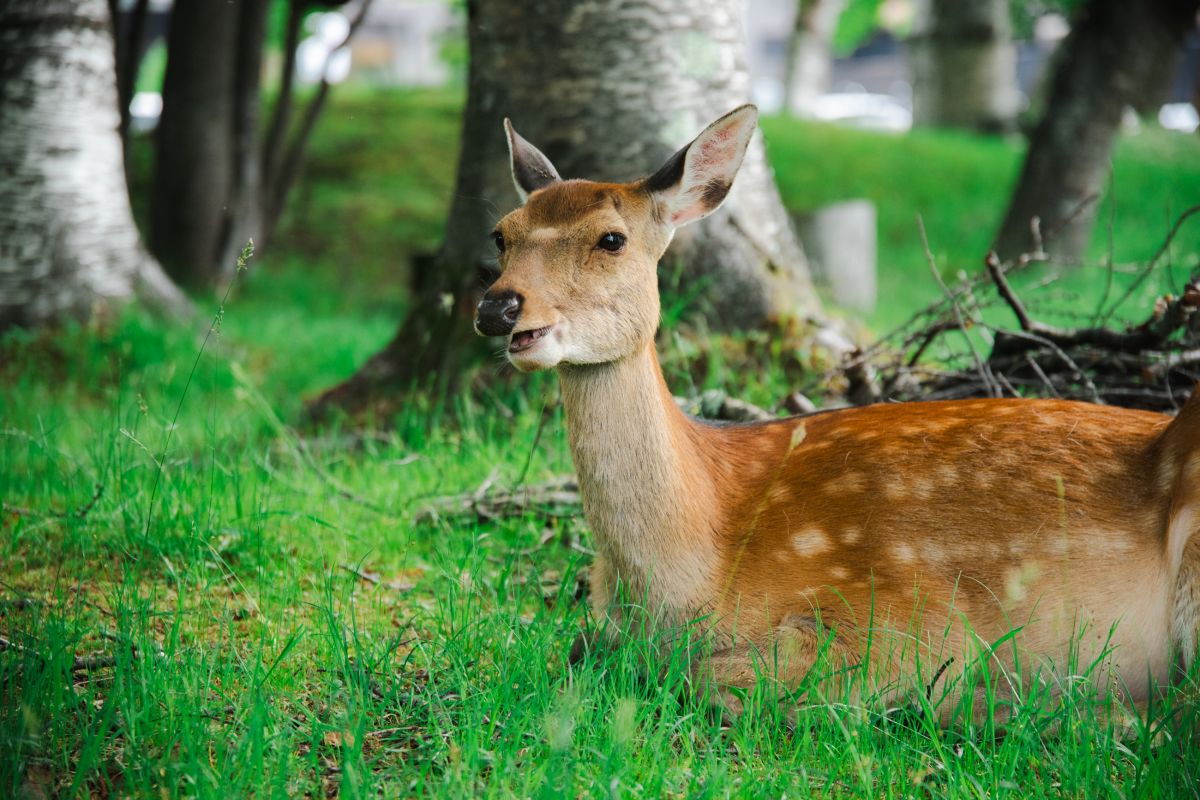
<point x="648" y="492"/>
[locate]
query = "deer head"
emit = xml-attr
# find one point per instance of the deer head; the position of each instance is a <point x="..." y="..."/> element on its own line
<point x="579" y="258"/>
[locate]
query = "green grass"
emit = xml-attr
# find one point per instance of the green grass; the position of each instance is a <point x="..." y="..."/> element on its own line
<point x="211" y="558"/>
<point x="250" y="660"/>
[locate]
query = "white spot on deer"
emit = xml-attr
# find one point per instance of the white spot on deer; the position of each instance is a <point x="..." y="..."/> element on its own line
<point x="852" y="481"/>
<point x="921" y="489"/>
<point x="810" y="542"/>
<point x="851" y="534"/>
<point x="947" y="474"/>
<point x="904" y="553"/>
<point x="1018" y="579"/>
<point x="839" y="573"/>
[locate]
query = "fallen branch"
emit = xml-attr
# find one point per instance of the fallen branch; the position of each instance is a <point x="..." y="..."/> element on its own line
<point x="87" y="663"/>
<point x="556" y="498"/>
<point x="375" y="578"/>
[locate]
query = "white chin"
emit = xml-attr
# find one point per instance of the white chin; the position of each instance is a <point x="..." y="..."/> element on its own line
<point x="544" y="354"/>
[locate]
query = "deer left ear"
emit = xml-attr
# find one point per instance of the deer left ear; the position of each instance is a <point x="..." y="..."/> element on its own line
<point x="531" y="170"/>
<point x="694" y="182"/>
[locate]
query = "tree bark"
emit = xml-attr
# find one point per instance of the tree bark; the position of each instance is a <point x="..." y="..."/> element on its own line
<point x="1114" y="56"/>
<point x="127" y="36"/>
<point x="244" y="215"/>
<point x="964" y="65"/>
<point x="810" y="53"/>
<point x="68" y="243"/>
<point x="608" y="90"/>
<point x="193" y="176"/>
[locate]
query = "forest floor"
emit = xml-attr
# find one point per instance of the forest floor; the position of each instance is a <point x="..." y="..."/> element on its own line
<point x="201" y="596"/>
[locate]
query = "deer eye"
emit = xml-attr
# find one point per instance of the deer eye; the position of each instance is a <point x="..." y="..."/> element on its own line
<point x="611" y="242"/>
<point x="498" y="240"/>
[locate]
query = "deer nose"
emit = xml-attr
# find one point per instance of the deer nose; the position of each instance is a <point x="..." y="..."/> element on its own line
<point x="496" y="314"/>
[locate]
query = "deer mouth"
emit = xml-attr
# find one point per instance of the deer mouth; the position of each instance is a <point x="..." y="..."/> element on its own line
<point x="527" y="339"/>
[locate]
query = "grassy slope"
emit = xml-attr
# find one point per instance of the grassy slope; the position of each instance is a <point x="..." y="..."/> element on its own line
<point x="281" y="672"/>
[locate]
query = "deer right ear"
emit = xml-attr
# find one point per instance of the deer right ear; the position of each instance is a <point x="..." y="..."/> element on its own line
<point x="531" y="170"/>
<point x="693" y="183"/>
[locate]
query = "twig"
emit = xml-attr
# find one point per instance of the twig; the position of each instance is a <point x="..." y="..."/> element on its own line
<point x="289" y="167"/>
<point x="86" y="508"/>
<point x="376" y="579"/>
<point x="995" y="269"/>
<point x="1145" y="273"/>
<point x="1080" y="373"/>
<point x="958" y="316"/>
<point x="557" y="498"/>
<point x="78" y="663"/>
<point x="242" y="262"/>
<point x="1033" y="364"/>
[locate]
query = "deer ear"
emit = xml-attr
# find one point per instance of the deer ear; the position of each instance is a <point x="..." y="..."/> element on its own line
<point x="693" y="183"/>
<point x="531" y="170"/>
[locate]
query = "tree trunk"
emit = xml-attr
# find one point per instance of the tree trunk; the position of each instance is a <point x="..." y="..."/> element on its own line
<point x="1113" y="56"/>
<point x="194" y="171"/>
<point x="245" y="206"/>
<point x="68" y="243"/>
<point x="810" y="53"/>
<point x="608" y="91"/>
<point x="964" y="65"/>
<point x="128" y="32"/>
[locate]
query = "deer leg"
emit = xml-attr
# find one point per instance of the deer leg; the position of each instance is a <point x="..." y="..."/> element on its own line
<point x="786" y="656"/>
<point x="1185" y="611"/>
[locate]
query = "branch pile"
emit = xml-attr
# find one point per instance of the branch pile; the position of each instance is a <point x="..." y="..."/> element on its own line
<point x="950" y="350"/>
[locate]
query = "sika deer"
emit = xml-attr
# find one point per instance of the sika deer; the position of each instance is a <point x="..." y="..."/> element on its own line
<point x="945" y="525"/>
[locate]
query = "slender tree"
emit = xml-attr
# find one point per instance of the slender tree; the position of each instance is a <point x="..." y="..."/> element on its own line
<point x="810" y="53"/>
<point x="964" y="65"/>
<point x="608" y="91"/>
<point x="1116" y="55"/>
<point x="68" y="243"/>
<point x="217" y="181"/>
<point x="193" y="174"/>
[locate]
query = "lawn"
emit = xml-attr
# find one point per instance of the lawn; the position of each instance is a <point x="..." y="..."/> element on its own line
<point x="202" y="596"/>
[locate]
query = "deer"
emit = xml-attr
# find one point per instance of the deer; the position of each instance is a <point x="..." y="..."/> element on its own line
<point x="1064" y="530"/>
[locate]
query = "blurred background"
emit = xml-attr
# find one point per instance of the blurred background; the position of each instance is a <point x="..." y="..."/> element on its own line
<point x="359" y="145"/>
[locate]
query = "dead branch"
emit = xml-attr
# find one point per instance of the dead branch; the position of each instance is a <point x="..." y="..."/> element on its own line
<point x="555" y="498"/>
<point x="376" y="579"/>
<point x="86" y="663"/>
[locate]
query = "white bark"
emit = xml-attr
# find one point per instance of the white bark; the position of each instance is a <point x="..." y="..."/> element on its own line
<point x="68" y="242"/>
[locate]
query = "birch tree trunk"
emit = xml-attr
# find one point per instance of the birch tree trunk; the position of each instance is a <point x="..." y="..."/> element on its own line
<point x="1115" y="56"/>
<point x="608" y="90"/>
<point x="68" y="243"/>
<point x="964" y="65"/>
